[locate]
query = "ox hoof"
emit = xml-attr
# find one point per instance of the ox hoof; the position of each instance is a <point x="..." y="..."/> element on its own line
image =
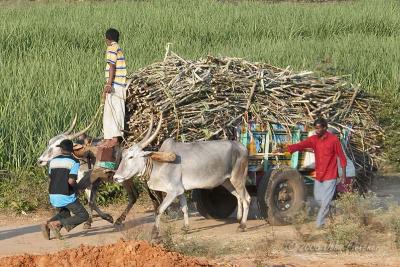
<point x="108" y="218"/>
<point x="119" y="224"/>
<point x="118" y="227"/>
<point x="242" y="228"/>
<point x="185" y="229"/>
<point x="155" y="234"/>
<point x="118" y="221"/>
<point x="87" y="226"/>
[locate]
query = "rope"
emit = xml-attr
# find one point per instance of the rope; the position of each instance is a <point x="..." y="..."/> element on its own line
<point x="147" y="171"/>
<point x="146" y="176"/>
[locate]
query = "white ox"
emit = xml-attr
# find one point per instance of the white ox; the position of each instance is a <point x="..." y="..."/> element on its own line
<point x="52" y="150"/>
<point x="198" y="165"/>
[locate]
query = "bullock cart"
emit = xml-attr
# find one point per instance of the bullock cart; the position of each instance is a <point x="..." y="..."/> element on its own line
<point x="277" y="180"/>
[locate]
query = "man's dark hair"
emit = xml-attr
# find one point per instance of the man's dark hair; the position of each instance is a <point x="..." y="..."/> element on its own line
<point x="66" y="145"/>
<point x="321" y="121"/>
<point x="112" y="34"/>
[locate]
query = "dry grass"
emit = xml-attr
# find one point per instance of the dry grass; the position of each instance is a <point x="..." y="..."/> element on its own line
<point x="173" y="240"/>
<point x="361" y="222"/>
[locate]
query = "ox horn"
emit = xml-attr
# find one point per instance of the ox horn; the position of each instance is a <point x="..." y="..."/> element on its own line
<point x="67" y="132"/>
<point x="148" y="133"/>
<point x="75" y="135"/>
<point x="154" y="135"/>
<point x="72" y="136"/>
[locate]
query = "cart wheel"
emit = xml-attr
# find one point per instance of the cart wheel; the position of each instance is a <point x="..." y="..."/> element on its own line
<point x="216" y="203"/>
<point x="284" y="196"/>
<point x="261" y="196"/>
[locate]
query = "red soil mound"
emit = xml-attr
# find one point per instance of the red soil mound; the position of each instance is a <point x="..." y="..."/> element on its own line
<point x="123" y="253"/>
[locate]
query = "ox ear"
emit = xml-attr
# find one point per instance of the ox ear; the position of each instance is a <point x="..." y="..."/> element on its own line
<point x="163" y="156"/>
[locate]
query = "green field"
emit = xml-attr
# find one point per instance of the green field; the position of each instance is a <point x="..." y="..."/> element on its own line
<point x="52" y="55"/>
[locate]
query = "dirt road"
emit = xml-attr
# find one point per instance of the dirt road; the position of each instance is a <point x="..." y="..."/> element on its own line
<point x="217" y="240"/>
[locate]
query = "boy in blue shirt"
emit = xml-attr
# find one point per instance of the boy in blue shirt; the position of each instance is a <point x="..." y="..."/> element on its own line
<point x="63" y="172"/>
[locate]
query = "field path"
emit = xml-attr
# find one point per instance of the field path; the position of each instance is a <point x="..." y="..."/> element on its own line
<point x="27" y="238"/>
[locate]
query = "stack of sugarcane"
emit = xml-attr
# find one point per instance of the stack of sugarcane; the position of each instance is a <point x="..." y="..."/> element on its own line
<point x="204" y="99"/>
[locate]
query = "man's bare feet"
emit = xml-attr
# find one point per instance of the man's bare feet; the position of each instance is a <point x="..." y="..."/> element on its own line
<point x="55" y="227"/>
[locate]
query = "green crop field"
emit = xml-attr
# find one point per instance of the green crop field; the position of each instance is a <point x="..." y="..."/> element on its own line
<point x="52" y="54"/>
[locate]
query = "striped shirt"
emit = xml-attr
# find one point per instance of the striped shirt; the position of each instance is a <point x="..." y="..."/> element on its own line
<point x="61" y="168"/>
<point x="115" y="56"/>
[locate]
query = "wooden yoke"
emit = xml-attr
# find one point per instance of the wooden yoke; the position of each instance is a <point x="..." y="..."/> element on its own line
<point x="163" y="156"/>
<point x="82" y="151"/>
<point x="86" y="153"/>
<point x="79" y="151"/>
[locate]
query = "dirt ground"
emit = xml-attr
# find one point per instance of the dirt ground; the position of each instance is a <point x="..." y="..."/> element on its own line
<point x="210" y="241"/>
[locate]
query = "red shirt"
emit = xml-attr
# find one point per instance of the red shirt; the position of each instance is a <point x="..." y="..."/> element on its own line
<point x="326" y="149"/>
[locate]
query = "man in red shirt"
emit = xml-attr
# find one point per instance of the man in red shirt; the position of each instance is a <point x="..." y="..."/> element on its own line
<point x="327" y="149"/>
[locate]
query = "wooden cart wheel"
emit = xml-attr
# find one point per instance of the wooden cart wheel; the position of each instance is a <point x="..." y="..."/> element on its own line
<point x="216" y="203"/>
<point x="281" y="197"/>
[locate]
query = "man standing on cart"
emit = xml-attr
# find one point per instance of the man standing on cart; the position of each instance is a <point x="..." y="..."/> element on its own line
<point x="114" y="90"/>
<point x="327" y="148"/>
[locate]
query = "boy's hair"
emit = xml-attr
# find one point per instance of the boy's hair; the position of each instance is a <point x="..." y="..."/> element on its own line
<point x="321" y="121"/>
<point x="112" y="34"/>
<point x="66" y="145"/>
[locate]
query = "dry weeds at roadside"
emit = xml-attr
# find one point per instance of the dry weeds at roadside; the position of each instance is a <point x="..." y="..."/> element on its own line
<point x="361" y="224"/>
<point x="364" y="223"/>
<point x="391" y="222"/>
<point x="267" y="248"/>
<point x="176" y="240"/>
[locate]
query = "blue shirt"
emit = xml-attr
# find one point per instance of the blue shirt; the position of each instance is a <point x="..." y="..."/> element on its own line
<point x="62" y="168"/>
<point x="59" y="201"/>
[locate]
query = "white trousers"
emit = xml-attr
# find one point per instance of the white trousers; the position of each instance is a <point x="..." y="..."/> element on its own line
<point x="114" y="112"/>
